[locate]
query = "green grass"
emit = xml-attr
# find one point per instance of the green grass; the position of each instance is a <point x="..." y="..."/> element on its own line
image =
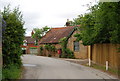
<point x="103" y="68"/>
<point x="11" y="73"/>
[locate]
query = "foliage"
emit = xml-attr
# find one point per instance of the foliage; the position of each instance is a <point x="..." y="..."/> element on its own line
<point x="109" y="22"/>
<point x="69" y="53"/>
<point x="63" y="42"/>
<point x="101" y="25"/>
<point x="50" y="48"/>
<point x="16" y="73"/>
<point x="13" y="36"/>
<point x="41" y="50"/>
<point x="66" y="53"/>
<point x="86" y="29"/>
<point x="39" y="33"/>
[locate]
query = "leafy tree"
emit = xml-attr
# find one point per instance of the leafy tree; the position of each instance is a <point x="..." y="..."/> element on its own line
<point x="101" y="25"/>
<point x="86" y="28"/>
<point x="39" y="33"/>
<point x="108" y="18"/>
<point x="13" y="37"/>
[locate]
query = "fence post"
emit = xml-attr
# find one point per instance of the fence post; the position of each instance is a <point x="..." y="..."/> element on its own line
<point x="89" y="55"/>
<point x="106" y="65"/>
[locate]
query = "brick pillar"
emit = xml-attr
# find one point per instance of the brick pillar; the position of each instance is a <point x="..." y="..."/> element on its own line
<point x="27" y="50"/>
<point x="38" y="49"/>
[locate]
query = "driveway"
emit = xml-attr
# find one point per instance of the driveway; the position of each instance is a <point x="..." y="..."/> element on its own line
<point x="39" y="67"/>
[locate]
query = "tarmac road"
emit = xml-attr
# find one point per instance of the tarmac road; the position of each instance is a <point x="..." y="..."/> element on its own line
<point x="39" y="67"/>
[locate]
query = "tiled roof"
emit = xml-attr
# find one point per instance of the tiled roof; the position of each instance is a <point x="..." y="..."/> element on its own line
<point x="55" y="34"/>
<point x="29" y="39"/>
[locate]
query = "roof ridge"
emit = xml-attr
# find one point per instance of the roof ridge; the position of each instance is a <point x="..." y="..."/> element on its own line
<point x="62" y="27"/>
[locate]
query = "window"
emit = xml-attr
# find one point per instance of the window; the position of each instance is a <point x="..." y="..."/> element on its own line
<point x="76" y="46"/>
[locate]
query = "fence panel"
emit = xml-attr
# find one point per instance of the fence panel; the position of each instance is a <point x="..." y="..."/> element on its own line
<point x="106" y="52"/>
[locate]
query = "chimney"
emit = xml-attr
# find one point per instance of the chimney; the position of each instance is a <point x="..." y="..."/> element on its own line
<point x="32" y="33"/>
<point x="68" y="22"/>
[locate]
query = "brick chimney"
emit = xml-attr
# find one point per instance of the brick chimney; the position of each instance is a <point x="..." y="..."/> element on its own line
<point x="67" y="23"/>
<point x="32" y="33"/>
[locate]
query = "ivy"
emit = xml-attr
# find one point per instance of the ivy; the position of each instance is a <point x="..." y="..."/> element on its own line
<point x="66" y="53"/>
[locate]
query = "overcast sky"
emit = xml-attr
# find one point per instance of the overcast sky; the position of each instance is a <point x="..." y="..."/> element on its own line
<point x="51" y="13"/>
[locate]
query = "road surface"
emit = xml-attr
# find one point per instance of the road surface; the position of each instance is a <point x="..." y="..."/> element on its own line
<point x="38" y="67"/>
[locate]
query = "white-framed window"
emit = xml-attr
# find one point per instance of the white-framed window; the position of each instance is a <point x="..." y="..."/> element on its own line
<point x="76" y="46"/>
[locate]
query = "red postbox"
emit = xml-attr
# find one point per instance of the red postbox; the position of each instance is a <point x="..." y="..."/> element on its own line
<point x="59" y="51"/>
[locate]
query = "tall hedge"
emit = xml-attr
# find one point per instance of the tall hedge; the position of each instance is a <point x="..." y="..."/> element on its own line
<point x="13" y="36"/>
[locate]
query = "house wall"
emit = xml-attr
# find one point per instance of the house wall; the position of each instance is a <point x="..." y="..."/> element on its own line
<point x="106" y="52"/>
<point x="82" y="53"/>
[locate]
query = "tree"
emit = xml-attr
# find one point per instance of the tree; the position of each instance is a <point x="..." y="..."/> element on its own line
<point x="101" y="25"/>
<point x="108" y="16"/>
<point x="86" y="23"/>
<point x="39" y="33"/>
<point x="13" y="37"/>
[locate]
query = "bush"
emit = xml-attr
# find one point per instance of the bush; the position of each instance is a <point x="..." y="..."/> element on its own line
<point x="11" y="72"/>
<point x="49" y="55"/>
<point x="67" y="53"/>
<point x="41" y="50"/>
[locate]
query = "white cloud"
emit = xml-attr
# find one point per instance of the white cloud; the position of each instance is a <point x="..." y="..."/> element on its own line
<point x="39" y="13"/>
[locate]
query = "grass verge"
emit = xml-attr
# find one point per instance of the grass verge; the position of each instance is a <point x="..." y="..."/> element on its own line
<point x="110" y="70"/>
<point x="11" y="73"/>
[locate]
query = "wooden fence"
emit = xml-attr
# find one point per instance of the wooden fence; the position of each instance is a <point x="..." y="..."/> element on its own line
<point x="100" y="53"/>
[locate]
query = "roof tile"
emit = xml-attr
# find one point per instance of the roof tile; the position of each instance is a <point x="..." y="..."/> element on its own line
<point x="55" y="34"/>
<point x="29" y="39"/>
